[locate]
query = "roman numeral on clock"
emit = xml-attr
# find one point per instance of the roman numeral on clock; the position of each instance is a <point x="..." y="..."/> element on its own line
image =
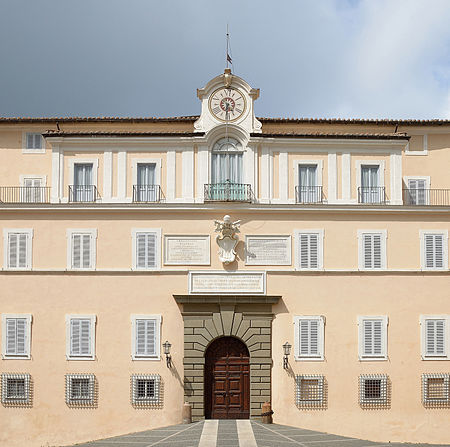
<point x="216" y="109"/>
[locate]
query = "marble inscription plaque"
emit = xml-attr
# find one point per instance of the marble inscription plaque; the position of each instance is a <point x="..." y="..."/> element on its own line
<point x="186" y="250"/>
<point x="227" y="283"/>
<point x="268" y="250"/>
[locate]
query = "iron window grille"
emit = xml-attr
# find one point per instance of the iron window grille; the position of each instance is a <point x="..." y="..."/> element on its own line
<point x="16" y="389"/>
<point x="309" y="391"/>
<point x="80" y="389"/>
<point x="435" y="389"/>
<point x="145" y="389"/>
<point x="373" y="390"/>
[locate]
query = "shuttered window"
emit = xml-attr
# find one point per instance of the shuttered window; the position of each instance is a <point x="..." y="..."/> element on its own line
<point x="372" y="250"/>
<point x="417" y="194"/>
<point x="16" y="332"/>
<point x="18" y="250"/>
<point x="309" y="338"/>
<point x="81" y="336"/>
<point x="309" y="249"/>
<point x="146" y="250"/>
<point x="434" y="251"/>
<point x="81" y="251"/>
<point x="435" y="337"/>
<point x="33" y="141"/>
<point x="372" y="337"/>
<point x="146" y="338"/>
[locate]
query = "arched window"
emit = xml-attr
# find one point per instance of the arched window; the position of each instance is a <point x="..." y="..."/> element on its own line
<point x="226" y="161"/>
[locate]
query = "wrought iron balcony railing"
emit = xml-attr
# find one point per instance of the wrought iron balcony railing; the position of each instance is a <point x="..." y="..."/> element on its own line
<point x="147" y="193"/>
<point x="228" y="192"/>
<point x="439" y="197"/>
<point x="375" y="195"/>
<point x="83" y="193"/>
<point x="309" y="194"/>
<point x="24" y="194"/>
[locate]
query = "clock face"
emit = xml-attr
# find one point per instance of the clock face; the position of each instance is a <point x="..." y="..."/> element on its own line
<point x="227" y="104"/>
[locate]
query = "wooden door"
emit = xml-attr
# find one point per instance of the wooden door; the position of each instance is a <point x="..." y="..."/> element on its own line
<point x="227" y="380"/>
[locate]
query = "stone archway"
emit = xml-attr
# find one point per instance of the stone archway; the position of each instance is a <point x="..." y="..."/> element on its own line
<point x="208" y="317"/>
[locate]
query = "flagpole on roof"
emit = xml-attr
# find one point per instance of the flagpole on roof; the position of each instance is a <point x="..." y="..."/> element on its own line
<point x="229" y="59"/>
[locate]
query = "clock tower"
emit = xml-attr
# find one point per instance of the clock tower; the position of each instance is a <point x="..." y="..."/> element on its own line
<point x="227" y="100"/>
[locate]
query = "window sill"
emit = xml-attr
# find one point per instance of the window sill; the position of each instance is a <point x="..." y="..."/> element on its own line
<point x="152" y="359"/>
<point x="90" y="358"/>
<point x="309" y="359"/>
<point x="16" y="357"/>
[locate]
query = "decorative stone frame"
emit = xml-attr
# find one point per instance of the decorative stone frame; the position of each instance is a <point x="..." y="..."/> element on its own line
<point x="246" y="317"/>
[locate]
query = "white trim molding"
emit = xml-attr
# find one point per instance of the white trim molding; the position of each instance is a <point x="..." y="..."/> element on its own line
<point x="444" y="321"/>
<point x="158" y="320"/>
<point x="320" y="240"/>
<point x="319" y="355"/>
<point x="155" y="161"/>
<point x="372" y="356"/>
<point x="42" y="178"/>
<point x="92" y="323"/>
<point x="26" y="355"/>
<point x="427" y="179"/>
<point x="134" y="233"/>
<point x="422" y="234"/>
<point x="424" y="151"/>
<point x="319" y="170"/>
<point x="92" y="232"/>
<point x="383" y="253"/>
<point x="381" y="171"/>
<point x="29" y="247"/>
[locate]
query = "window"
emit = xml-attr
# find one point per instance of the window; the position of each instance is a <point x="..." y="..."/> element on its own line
<point x="81" y="253"/>
<point x="145" y="337"/>
<point x="17" y="248"/>
<point x="372" y="249"/>
<point x="83" y="179"/>
<point x="435" y="389"/>
<point x="145" y="389"/>
<point x="372" y="338"/>
<point x="370" y="181"/>
<point x="16" y="389"/>
<point x="226" y="161"/>
<point x="308" y="181"/>
<point x="309" y="337"/>
<point x="435" y="337"/>
<point x="16" y="336"/>
<point x="33" y="189"/>
<point x="146" y="190"/>
<point x="32" y="142"/>
<point x="434" y="249"/>
<point x="309" y="249"/>
<point x="417" y="192"/>
<point x="80" y="389"/>
<point x="80" y="337"/>
<point x="373" y="390"/>
<point x="309" y="391"/>
<point x="146" y="248"/>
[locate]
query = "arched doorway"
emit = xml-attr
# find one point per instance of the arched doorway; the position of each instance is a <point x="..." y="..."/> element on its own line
<point x="227" y="379"/>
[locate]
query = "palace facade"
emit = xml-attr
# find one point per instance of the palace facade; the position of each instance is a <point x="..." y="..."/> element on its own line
<point x="224" y="260"/>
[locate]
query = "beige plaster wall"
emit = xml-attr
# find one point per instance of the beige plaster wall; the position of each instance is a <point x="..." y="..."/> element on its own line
<point x="114" y="242"/>
<point x="340" y="299"/>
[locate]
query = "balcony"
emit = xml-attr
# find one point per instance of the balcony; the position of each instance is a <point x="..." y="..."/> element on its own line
<point x="228" y="192"/>
<point x="309" y="194"/>
<point x="372" y="195"/>
<point x="83" y="194"/>
<point x="147" y="193"/>
<point x="24" y="194"/>
<point x="421" y="197"/>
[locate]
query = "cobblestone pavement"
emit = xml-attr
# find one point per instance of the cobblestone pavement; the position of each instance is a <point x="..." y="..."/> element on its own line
<point x="241" y="433"/>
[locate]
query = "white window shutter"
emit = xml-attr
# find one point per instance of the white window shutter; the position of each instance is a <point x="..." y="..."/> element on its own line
<point x="146" y="337"/>
<point x="435" y="337"/>
<point x="75" y="337"/>
<point x="367" y="249"/>
<point x="86" y="250"/>
<point x="22" y="250"/>
<point x="21" y="334"/>
<point x="11" y="339"/>
<point x="12" y="247"/>
<point x="76" y="251"/>
<point x="30" y="141"/>
<point x="146" y="250"/>
<point x="37" y="141"/>
<point x="85" y="337"/>
<point x="304" y="252"/>
<point x="373" y="338"/>
<point x="309" y="251"/>
<point x="309" y="337"/>
<point x="434" y="250"/>
<point x="376" y="251"/>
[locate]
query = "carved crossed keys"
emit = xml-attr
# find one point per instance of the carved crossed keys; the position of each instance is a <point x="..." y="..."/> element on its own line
<point x="227" y="239"/>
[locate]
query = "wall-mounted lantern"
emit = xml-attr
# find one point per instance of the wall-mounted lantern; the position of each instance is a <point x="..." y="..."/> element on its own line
<point x="287" y="350"/>
<point x="167" y="346"/>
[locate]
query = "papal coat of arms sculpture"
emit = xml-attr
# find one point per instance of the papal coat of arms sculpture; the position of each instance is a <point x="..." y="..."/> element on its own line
<point x="227" y="239"/>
